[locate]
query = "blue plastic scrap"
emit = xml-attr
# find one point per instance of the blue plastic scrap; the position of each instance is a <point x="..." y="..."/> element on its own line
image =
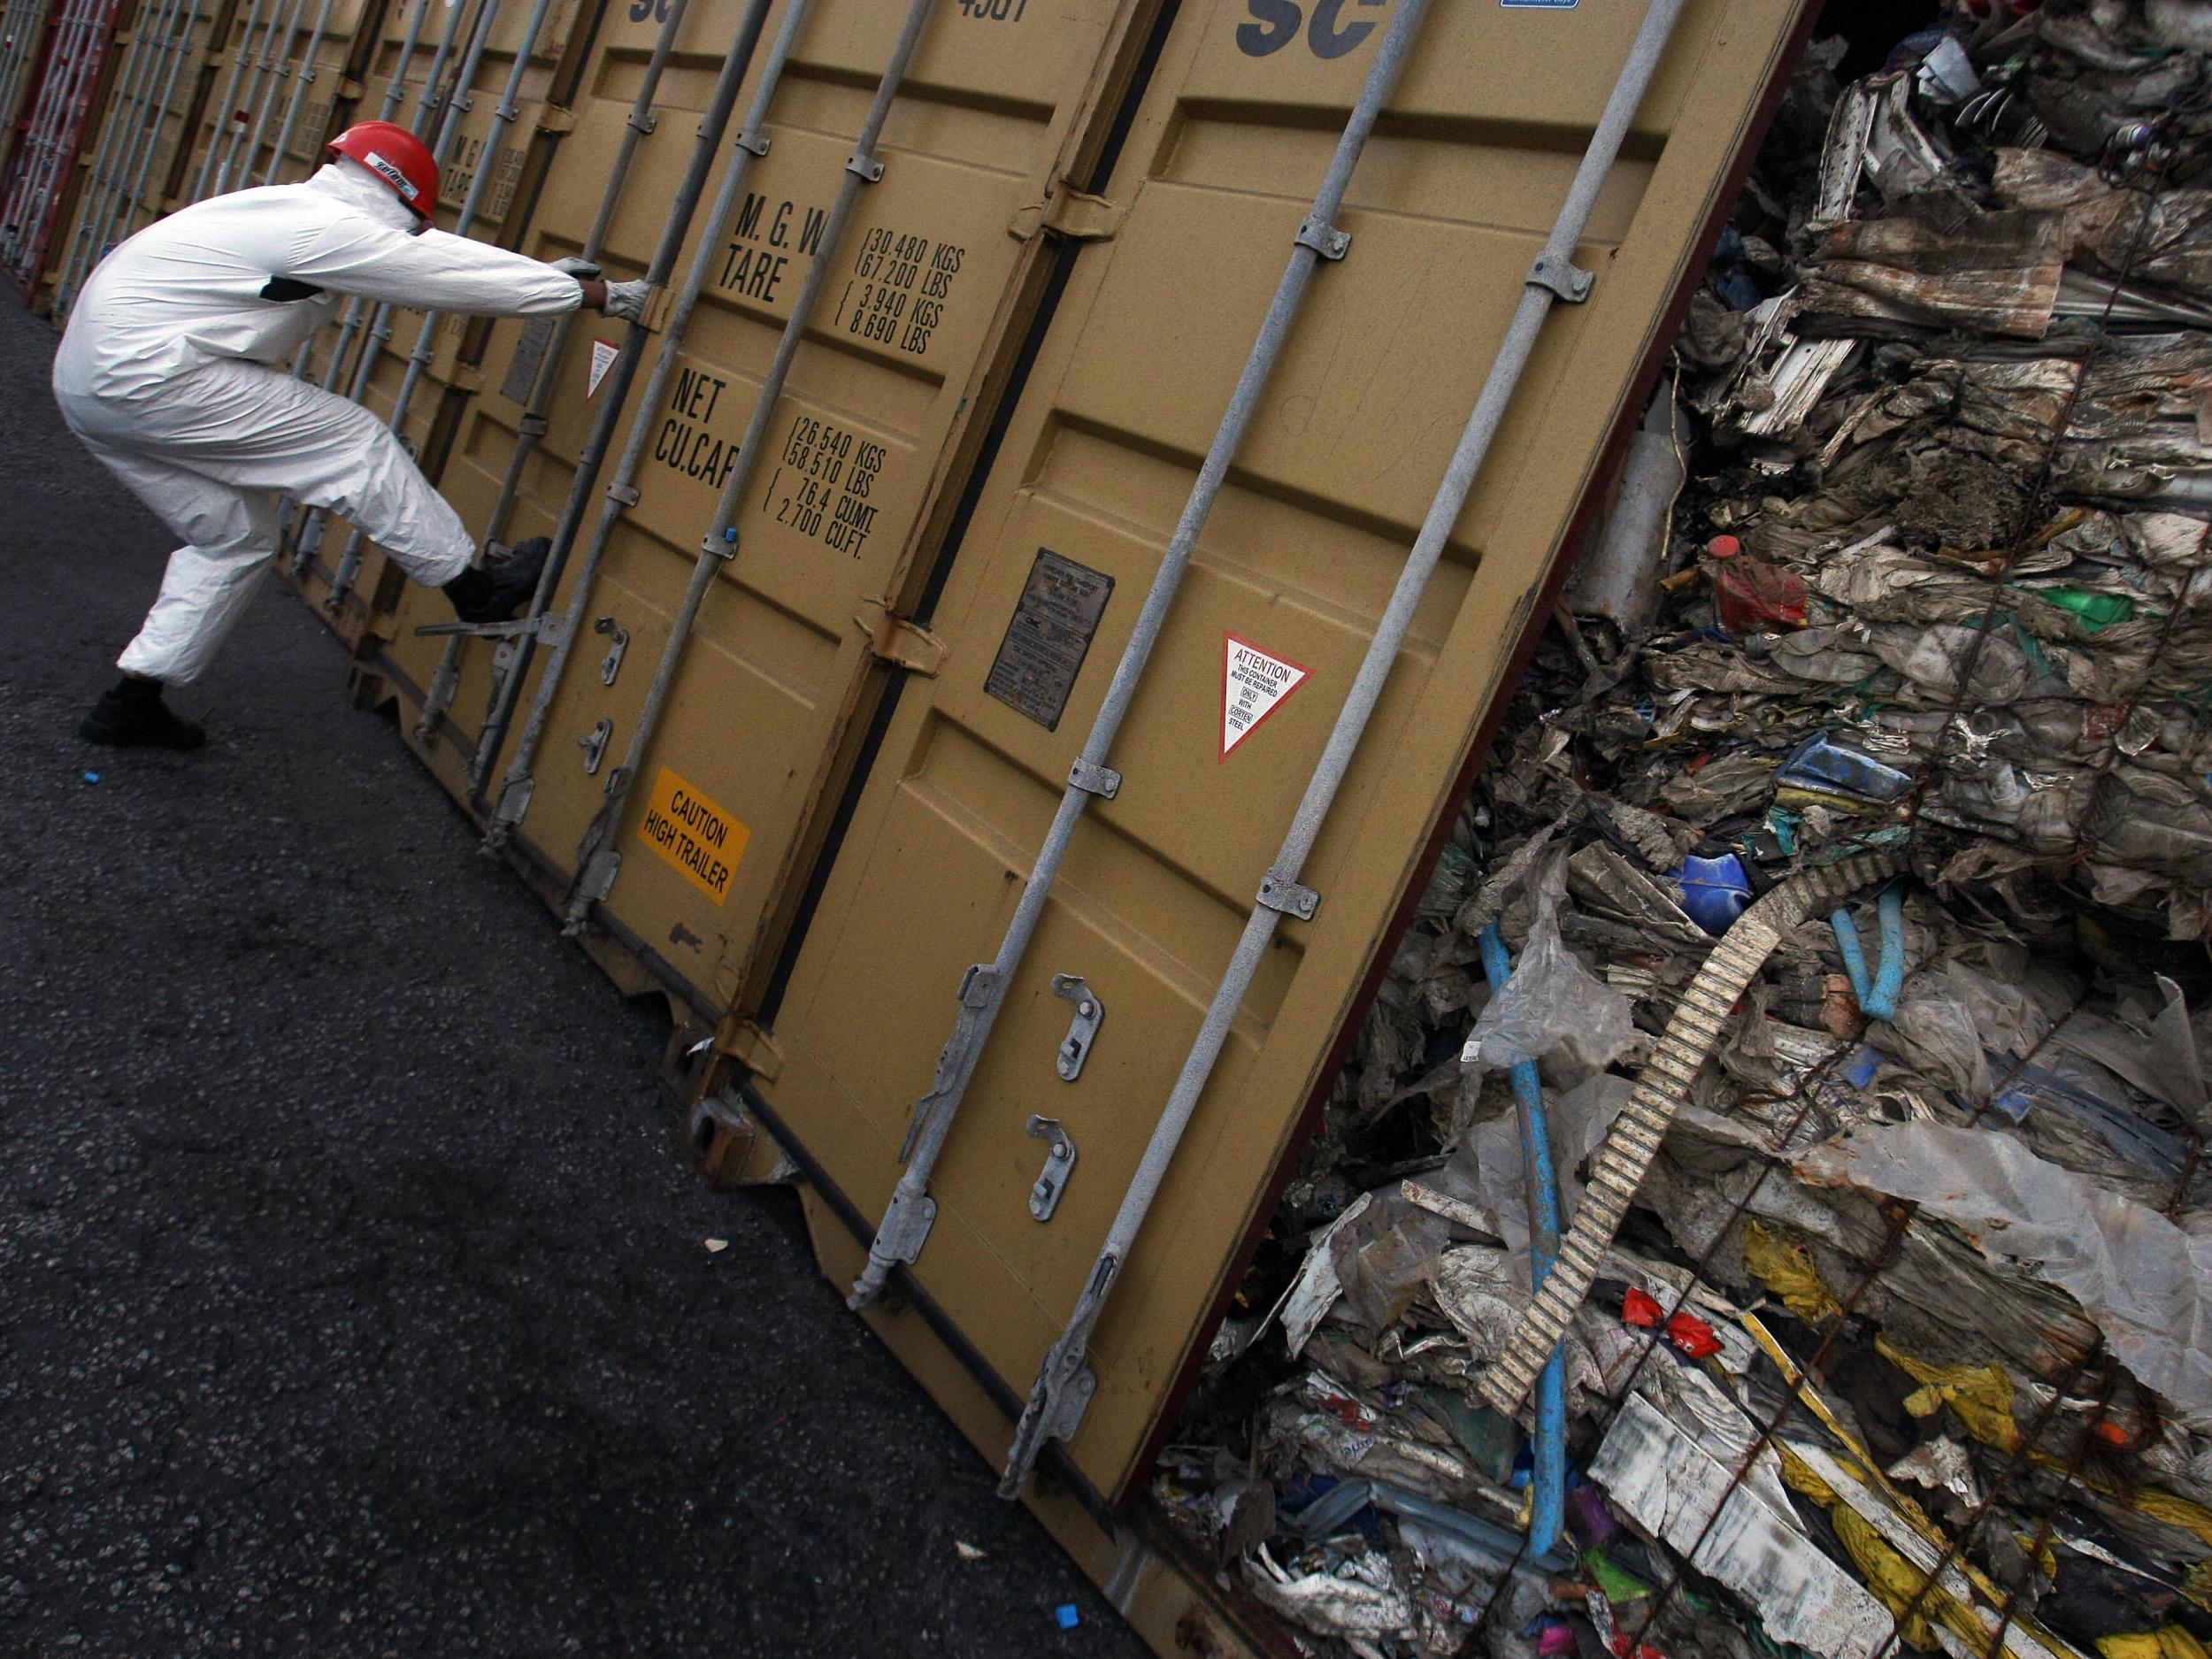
<point x="1878" y="996"/>
<point x="1715" y="891"/>
<point x="1066" y="1616"/>
<point x="1548" y="1507"/>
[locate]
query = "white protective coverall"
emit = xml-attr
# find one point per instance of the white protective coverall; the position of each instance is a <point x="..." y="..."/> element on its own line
<point x="174" y="372"/>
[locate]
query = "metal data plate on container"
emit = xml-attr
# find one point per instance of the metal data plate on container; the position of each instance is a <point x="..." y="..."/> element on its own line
<point x="1447" y="211"/>
<point x="928" y="297"/>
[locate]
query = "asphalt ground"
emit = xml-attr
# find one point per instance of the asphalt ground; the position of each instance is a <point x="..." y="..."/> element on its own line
<point x="354" y="1297"/>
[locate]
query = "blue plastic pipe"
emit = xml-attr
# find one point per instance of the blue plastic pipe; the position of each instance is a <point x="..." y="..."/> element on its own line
<point x="1878" y="996"/>
<point x="1549" y="1509"/>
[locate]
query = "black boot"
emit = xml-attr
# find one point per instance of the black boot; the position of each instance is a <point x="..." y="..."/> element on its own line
<point x="133" y="714"/>
<point x="493" y="593"/>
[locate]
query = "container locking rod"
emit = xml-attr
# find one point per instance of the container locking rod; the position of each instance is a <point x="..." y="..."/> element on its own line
<point x="518" y="787"/>
<point x="1057" y="1400"/>
<point x="445" y="682"/>
<point x="597" y="862"/>
<point x="906" y="1223"/>
<point x="418" y="360"/>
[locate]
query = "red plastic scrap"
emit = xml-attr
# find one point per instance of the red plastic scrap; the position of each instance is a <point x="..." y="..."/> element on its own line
<point x="1752" y="592"/>
<point x="1686" y="1334"/>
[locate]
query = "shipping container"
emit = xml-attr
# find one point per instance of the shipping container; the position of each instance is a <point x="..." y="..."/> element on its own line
<point x="1177" y="963"/>
<point x="137" y="159"/>
<point x="922" y="303"/>
<point x="22" y="30"/>
<point x="71" y="58"/>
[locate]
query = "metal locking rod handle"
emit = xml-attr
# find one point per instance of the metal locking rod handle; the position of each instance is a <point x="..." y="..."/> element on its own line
<point x="597" y="862"/>
<point x="906" y="1223"/>
<point x="445" y="682"/>
<point x="752" y="140"/>
<point x="109" y="161"/>
<point x="461" y="99"/>
<point x="504" y="115"/>
<point x="1064" y="1384"/>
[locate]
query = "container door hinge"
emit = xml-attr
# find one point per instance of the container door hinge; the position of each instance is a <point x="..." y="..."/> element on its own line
<point x="659" y="303"/>
<point x="894" y="639"/>
<point x="556" y="118"/>
<point x="466" y="378"/>
<point x="348" y="88"/>
<point x="751" y="1047"/>
<point x="1075" y="215"/>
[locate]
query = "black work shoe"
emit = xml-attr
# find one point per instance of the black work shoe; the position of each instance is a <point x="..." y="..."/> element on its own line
<point x="493" y="593"/>
<point x="133" y="716"/>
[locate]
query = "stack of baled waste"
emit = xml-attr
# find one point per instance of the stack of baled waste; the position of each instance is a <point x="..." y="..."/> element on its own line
<point x="1905" y="1345"/>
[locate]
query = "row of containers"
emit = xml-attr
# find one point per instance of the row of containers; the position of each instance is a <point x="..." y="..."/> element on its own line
<point x="1029" y="595"/>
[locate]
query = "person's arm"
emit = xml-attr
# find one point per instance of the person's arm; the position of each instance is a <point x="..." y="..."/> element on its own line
<point x="435" y="271"/>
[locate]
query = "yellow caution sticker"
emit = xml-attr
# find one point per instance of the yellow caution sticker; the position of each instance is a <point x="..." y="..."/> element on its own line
<point x="692" y="832"/>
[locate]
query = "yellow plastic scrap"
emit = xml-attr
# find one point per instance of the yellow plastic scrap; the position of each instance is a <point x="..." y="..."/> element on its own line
<point x="1895" y="1582"/>
<point x="1786" y="1270"/>
<point x="1980" y="1394"/>
<point x="2169" y="1641"/>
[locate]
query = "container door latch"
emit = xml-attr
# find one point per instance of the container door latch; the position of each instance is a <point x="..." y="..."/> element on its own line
<point x="1044" y="1197"/>
<point x="1090" y="1014"/>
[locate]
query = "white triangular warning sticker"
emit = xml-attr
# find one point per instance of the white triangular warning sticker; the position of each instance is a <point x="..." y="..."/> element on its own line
<point x="603" y="352"/>
<point x="1253" y="684"/>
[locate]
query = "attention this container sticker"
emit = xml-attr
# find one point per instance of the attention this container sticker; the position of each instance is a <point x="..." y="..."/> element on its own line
<point x="1253" y="684"/>
<point x="603" y="352"/>
<point x="692" y="832"/>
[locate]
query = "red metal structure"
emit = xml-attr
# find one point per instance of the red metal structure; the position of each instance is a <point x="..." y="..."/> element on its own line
<point x="66" y="77"/>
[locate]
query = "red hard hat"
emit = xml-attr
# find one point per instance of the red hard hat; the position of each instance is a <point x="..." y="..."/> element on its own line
<point x="395" y="156"/>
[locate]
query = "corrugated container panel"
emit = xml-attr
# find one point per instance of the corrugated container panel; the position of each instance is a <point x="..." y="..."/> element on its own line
<point x="927" y="301"/>
<point x="1447" y="211"/>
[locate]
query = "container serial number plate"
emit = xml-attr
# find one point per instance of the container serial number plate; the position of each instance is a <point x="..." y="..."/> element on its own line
<point x="1048" y="637"/>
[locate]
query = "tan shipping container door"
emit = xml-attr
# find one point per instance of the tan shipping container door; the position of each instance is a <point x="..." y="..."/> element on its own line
<point x="1447" y="210"/>
<point x="930" y="294"/>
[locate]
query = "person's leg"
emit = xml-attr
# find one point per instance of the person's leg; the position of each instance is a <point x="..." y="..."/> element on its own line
<point x="231" y="539"/>
<point x="271" y="432"/>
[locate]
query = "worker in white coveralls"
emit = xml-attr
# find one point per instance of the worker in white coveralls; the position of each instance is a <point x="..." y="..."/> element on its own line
<point x="174" y="373"/>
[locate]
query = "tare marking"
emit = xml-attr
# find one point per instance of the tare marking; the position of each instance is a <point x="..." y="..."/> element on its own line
<point x="1253" y="684"/>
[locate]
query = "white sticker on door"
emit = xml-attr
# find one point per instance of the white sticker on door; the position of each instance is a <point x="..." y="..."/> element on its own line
<point x="603" y="352"/>
<point x="1253" y="684"/>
